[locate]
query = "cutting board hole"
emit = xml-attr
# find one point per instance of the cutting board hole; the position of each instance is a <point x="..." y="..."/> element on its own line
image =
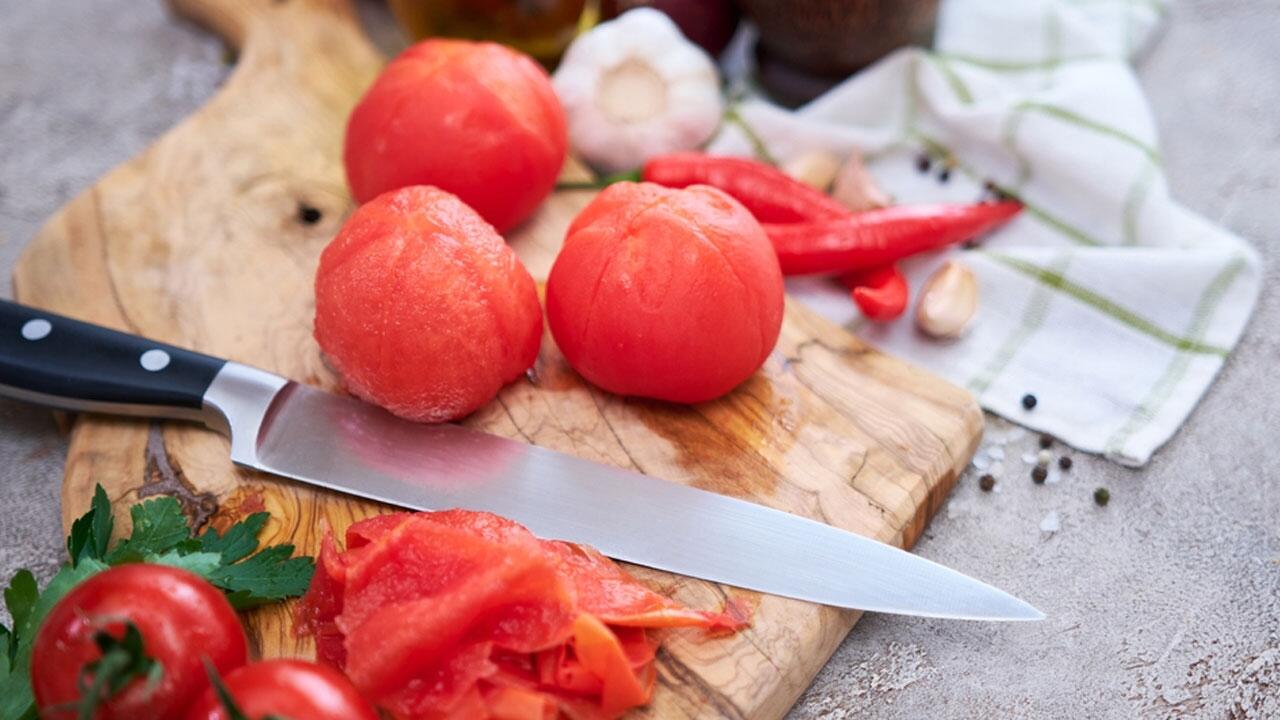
<point x="308" y="215"/>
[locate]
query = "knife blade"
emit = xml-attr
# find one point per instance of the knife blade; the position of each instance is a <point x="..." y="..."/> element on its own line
<point x="342" y="444"/>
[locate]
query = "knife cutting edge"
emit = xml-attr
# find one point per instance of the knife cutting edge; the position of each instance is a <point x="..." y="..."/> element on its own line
<point x="342" y="444"/>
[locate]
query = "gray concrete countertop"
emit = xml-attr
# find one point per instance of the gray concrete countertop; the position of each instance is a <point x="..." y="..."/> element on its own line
<point x="1164" y="604"/>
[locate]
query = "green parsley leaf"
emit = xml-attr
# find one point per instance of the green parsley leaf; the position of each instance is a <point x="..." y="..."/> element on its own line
<point x="266" y="577"/>
<point x="61" y="584"/>
<point x="202" y="563"/>
<point x="238" y="541"/>
<point x="80" y="538"/>
<point x="20" y="597"/>
<point x="81" y="532"/>
<point x="91" y="532"/>
<point x="160" y="535"/>
<point x="8" y="647"/>
<point x="16" y="699"/>
<point x="103" y="522"/>
<point x="158" y="526"/>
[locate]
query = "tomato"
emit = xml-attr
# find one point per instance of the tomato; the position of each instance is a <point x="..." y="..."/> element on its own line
<point x="289" y="689"/>
<point x="422" y="308"/>
<point x="182" y="620"/>
<point x="664" y="293"/>
<point x="479" y="120"/>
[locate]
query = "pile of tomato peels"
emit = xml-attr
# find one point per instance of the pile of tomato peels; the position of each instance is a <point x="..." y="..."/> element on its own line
<point x="461" y="614"/>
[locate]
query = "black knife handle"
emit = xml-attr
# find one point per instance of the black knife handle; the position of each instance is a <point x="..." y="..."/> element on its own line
<point x="73" y="365"/>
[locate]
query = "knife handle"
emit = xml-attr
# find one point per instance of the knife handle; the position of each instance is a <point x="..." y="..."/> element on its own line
<point x="73" y="365"/>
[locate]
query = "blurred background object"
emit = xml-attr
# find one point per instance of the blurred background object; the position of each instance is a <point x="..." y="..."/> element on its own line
<point x="803" y="47"/>
<point x="709" y="23"/>
<point x="541" y="28"/>
<point x="807" y="46"/>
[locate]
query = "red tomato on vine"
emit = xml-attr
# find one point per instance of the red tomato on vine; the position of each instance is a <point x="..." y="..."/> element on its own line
<point x="290" y="689"/>
<point x="111" y="632"/>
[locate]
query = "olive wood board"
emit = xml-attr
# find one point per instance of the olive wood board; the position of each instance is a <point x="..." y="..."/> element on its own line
<point x="209" y="239"/>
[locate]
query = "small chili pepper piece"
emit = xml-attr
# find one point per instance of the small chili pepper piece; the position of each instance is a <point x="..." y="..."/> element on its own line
<point x="880" y="293"/>
<point x="771" y="195"/>
<point x="880" y="237"/>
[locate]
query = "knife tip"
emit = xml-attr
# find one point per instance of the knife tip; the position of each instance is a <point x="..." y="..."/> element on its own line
<point x="1032" y="615"/>
<point x="1022" y="611"/>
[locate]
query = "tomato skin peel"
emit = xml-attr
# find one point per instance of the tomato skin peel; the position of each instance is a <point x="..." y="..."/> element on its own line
<point x="467" y="615"/>
<point x="671" y="294"/>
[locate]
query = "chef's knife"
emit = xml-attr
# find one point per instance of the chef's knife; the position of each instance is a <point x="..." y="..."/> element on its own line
<point x="342" y="444"/>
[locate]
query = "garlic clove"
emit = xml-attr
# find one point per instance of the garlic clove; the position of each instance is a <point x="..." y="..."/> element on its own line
<point x="948" y="301"/>
<point x="856" y="189"/>
<point x="815" y="168"/>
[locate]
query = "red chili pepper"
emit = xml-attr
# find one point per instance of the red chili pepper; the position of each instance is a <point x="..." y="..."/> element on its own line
<point x="881" y="293"/>
<point x="880" y="237"/>
<point x="771" y="195"/>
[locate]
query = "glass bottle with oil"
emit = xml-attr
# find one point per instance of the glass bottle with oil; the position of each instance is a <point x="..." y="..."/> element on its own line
<point x="541" y="28"/>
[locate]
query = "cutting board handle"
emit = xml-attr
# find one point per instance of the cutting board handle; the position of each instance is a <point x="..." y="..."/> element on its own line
<point x="56" y="361"/>
<point x="231" y="19"/>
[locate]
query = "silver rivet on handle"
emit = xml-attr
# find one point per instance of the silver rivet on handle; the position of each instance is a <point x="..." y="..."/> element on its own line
<point x="154" y="360"/>
<point x="37" y="329"/>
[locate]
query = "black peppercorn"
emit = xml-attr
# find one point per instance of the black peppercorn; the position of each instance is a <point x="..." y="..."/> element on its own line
<point x="308" y="215"/>
<point x="1102" y="496"/>
<point x="1046" y="441"/>
<point x="1064" y="462"/>
<point x="1039" y="474"/>
<point x="923" y="163"/>
<point x="945" y="175"/>
<point x="986" y="482"/>
<point x="1028" y="401"/>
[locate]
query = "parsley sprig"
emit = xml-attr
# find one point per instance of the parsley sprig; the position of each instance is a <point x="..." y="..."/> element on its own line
<point x="230" y="560"/>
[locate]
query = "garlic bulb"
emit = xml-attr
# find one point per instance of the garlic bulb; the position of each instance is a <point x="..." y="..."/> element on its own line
<point x="633" y="88"/>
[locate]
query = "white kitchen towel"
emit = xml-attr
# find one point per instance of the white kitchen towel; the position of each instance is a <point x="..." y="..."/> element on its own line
<point x="1107" y="301"/>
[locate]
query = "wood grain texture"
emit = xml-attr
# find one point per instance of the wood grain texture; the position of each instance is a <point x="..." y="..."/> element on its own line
<point x="201" y="241"/>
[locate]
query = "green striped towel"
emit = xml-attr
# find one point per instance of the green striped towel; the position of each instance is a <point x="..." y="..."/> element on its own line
<point x="1105" y="299"/>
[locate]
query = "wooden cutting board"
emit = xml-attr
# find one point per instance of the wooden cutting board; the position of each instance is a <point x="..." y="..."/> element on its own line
<point x="209" y="239"/>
